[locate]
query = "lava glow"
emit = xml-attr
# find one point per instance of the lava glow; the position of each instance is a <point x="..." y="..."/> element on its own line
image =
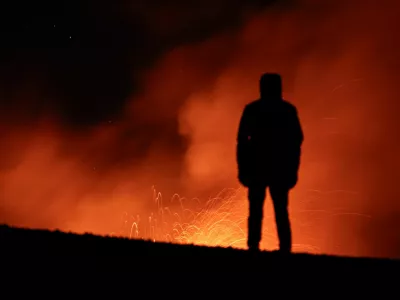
<point x="220" y="221"/>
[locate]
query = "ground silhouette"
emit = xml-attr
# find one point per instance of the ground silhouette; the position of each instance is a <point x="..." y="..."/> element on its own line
<point x="66" y="262"/>
<point x="268" y="156"/>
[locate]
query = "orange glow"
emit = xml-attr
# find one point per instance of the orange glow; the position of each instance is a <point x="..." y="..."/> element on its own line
<point x="220" y="221"/>
<point x="338" y="66"/>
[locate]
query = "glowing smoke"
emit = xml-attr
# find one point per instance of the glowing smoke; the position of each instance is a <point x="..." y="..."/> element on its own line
<point x="343" y="87"/>
<point x="337" y="60"/>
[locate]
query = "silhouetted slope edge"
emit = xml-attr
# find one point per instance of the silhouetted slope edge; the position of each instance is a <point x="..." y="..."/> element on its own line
<point x="54" y="253"/>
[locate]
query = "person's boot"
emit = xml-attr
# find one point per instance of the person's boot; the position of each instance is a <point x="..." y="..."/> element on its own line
<point x="254" y="248"/>
<point x="254" y="235"/>
<point x="285" y="250"/>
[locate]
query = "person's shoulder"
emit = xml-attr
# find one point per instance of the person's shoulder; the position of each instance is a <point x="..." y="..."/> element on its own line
<point x="254" y="105"/>
<point x="289" y="106"/>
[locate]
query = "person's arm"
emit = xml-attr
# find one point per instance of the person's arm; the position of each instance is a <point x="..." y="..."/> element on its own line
<point x="296" y="141"/>
<point x="298" y="131"/>
<point x="243" y="138"/>
<point x="243" y="145"/>
<point x="298" y="138"/>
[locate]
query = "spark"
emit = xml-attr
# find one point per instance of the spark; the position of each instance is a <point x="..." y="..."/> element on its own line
<point x="333" y="192"/>
<point x="340" y="86"/>
<point x="219" y="221"/>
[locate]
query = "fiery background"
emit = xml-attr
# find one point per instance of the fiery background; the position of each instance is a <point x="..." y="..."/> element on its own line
<point x="120" y="118"/>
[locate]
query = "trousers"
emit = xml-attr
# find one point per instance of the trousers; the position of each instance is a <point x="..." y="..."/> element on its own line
<point x="280" y="200"/>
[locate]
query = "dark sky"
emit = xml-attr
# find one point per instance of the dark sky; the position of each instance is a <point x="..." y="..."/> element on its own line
<point x="88" y="55"/>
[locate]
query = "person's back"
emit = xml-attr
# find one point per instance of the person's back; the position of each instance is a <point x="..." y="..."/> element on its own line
<point x="271" y="139"/>
<point x="268" y="149"/>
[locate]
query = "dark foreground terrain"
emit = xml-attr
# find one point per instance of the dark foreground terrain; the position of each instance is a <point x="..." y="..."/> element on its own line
<point x="78" y="264"/>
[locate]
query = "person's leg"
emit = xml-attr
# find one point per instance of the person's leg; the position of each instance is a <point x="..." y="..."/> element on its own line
<point x="256" y="195"/>
<point x="280" y="199"/>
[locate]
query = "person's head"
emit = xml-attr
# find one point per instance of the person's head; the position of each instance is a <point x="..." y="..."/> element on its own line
<point x="271" y="86"/>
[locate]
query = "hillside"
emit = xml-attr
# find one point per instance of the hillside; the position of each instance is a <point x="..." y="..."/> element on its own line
<point x="39" y="255"/>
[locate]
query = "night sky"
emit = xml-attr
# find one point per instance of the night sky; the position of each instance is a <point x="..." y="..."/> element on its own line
<point x="89" y="55"/>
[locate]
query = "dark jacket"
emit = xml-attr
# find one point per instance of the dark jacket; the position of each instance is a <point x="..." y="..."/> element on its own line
<point x="269" y="144"/>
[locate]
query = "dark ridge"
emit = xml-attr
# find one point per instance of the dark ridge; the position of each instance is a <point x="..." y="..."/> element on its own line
<point x="44" y="256"/>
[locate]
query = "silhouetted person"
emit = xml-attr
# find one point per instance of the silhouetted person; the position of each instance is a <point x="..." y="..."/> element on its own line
<point x="268" y="155"/>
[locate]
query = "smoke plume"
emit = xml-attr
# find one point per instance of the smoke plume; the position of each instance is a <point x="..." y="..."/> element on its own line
<point x="177" y="131"/>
